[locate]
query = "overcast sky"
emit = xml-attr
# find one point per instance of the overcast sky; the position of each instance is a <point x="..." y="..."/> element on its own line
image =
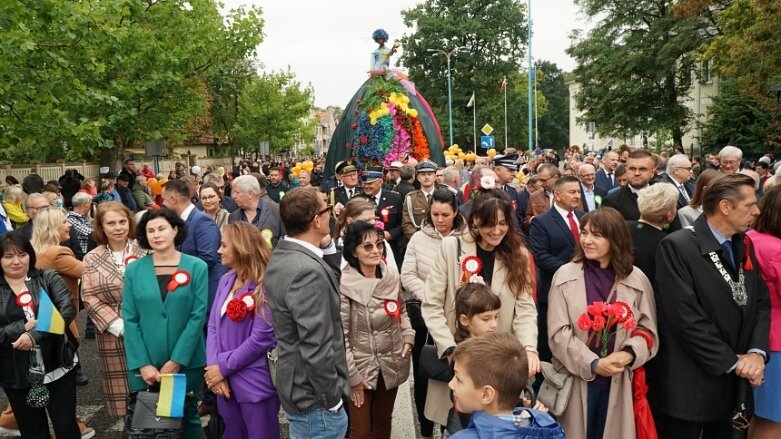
<point x="328" y="44"/>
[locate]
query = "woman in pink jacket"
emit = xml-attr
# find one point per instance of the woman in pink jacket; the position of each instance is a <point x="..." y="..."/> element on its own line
<point x="766" y="239"/>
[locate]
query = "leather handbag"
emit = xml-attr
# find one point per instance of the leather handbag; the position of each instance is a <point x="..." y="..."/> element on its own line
<point x="434" y="367"/>
<point x="142" y="422"/>
<point x="555" y="389"/>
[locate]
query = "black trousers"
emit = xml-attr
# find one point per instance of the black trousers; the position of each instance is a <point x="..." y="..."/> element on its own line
<point x="674" y="428"/>
<point x="61" y="408"/>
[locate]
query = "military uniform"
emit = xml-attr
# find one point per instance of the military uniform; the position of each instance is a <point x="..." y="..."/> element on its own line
<point x="414" y="212"/>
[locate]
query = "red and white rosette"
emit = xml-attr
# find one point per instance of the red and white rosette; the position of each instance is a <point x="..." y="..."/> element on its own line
<point x="470" y="265"/>
<point x="385" y="214"/>
<point x="393" y="309"/>
<point x="25" y="301"/>
<point x="180" y="278"/>
<point x="130" y="259"/>
<point x="248" y="300"/>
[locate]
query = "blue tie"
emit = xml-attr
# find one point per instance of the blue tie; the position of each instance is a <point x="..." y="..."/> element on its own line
<point x="729" y="255"/>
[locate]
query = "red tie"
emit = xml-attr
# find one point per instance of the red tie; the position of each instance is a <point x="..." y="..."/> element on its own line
<point x="573" y="227"/>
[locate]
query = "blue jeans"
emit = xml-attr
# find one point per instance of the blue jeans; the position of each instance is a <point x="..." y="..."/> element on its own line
<point x="318" y="424"/>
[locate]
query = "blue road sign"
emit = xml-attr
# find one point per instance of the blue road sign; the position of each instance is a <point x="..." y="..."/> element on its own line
<point x="487" y="142"/>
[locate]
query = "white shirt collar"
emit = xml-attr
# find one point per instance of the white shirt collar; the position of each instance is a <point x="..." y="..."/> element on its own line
<point x="635" y="191"/>
<point x="306" y="245"/>
<point x="565" y="213"/>
<point x="186" y="212"/>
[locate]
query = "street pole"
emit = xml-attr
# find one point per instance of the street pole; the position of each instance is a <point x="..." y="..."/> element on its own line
<point x="449" y="90"/>
<point x="529" y="75"/>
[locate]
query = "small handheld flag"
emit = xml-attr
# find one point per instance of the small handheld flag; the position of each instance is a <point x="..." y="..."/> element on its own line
<point x="49" y="319"/>
<point x="173" y="387"/>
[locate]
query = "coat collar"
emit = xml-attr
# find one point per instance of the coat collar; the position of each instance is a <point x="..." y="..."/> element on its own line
<point x="708" y="243"/>
<point x="285" y="245"/>
<point x="574" y="271"/>
<point x="360" y="289"/>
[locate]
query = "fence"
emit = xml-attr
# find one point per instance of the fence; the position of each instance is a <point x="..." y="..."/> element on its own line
<point x="53" y="171"/>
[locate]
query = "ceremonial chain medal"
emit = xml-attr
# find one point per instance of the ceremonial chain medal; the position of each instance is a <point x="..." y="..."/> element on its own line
<point x="739" y="294"/>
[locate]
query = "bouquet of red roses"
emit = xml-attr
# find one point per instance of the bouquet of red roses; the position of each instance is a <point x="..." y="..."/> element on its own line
<point x="602" y="321"/>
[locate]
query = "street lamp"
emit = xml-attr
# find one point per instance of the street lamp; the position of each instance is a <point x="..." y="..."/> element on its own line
<point x="449" y="97"/>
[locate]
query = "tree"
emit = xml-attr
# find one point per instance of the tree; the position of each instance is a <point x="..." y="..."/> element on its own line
<point x="493" y="36"/>
<point x="633" y="66"/>
<point x="736" y="119"/>
<point x="553" y="126"/>
<point x="336" y="111"/>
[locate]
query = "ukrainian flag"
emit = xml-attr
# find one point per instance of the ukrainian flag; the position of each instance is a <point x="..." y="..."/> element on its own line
<point x="49" y="319"/>
<point x="173" y="387"/>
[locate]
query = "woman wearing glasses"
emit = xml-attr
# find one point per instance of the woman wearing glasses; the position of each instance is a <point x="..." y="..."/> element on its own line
<point x="210" y="200"/>
<point x="378" y="335"/>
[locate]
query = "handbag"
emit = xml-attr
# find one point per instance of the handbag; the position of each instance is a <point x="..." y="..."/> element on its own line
<point x="142" y="422"/>
<point x="272" y="357"/>
<point x="555" y="389"/>
<point x="434" y="367"/>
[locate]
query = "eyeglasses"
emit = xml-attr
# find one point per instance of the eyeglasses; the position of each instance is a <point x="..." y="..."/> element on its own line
<point x="209" y="197"/>
<point x="379" y="245"/>
<point x="328" y="208"/>
<point x="684" y="167"/>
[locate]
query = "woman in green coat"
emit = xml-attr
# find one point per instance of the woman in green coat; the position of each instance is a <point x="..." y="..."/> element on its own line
<point x="164" y="308"/>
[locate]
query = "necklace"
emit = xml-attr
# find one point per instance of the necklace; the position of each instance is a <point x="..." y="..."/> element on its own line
<point x="738" y="288"/>
<point x="119" y="257"/>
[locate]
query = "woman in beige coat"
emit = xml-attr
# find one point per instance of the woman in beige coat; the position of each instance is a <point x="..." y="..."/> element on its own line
<point x="505" y="268"/>
<point x="378" y="336"/>
<point x="600" y="404"/>
<point x="443" y="220"/>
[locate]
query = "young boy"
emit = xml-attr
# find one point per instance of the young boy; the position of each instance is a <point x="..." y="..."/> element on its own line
<point x="490" y="373"/>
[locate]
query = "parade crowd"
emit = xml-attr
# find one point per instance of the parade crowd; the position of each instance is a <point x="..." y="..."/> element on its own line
<point x="611" y="294"/>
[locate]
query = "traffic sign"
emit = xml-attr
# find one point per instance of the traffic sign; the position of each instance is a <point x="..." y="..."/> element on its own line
<point x="487" y="142"/>
<point x="487" y="130"/>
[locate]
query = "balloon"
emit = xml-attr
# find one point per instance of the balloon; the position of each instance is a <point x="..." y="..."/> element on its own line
<point x="154" y="186"/>
<point x="491" y="152"/>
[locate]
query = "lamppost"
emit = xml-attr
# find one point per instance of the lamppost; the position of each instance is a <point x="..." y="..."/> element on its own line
<point x="449" y="97"/>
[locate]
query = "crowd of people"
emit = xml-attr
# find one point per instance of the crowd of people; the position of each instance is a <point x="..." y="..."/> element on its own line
<point x="620" y="272"/>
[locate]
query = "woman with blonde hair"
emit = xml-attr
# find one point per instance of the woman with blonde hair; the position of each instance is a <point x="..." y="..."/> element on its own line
<point x="102" y="283"/>
<point x="240" y="337"/>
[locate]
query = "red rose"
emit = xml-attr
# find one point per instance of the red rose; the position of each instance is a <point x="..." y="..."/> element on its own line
<point x="236" y="310"/>
<point x="630" y="324"/>
<point x="584" y="322"/>
<point x="364" y="139"/>
<point x="599" y="322"/>
<point x="596" y="308"/>
<point x="355" y="125"/>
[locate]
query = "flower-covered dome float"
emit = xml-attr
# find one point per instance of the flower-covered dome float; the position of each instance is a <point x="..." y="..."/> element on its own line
<point x="386" y="120"/>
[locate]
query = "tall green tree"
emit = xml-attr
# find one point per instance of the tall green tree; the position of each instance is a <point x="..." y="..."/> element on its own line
<point x="493" y="35"/>
<point x="736" y="119"/>
<point x="553" y="126"/>
<point x="633" y="66"/>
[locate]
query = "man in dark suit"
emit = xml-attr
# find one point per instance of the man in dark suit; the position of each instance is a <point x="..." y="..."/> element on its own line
<point x="405" y="186"/>
<point x="203" y="236"/>
<point x="679" y="173"/>
<point x="451" y="180"/>
<point x="262" y="213"/>
<point x="277" y="187"/>
<point x="506" y="167"/>
<point x="553" y="237"/>
<point x="303" y="293"/>
<point x="387" y="209"/>
<point x="606" y="177"/>
<point x="657" y="206"/>
<point x="339" y="196"/>
<point x="588" y="196"/>
<point x="639" y="169"/>
<point x="713" y="317"/>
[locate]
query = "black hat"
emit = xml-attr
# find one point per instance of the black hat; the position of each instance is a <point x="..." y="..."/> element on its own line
<point x="371" y="173"/>
<point x="426" y="166"/>
<point x="509" y="161"/>
<point x="345" y="167"/>
<point x="123" y="177"/>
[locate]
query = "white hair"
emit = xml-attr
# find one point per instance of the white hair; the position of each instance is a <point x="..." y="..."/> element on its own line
<point x="730" y="151"/>
<point x="247" y="183"/>
<point x="140" y="178"/>
<point x="675" y="162"/>
<point x="80" y="199"/>
<point x="656" y="201"/>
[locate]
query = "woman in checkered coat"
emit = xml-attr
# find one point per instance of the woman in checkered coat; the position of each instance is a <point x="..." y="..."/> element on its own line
<point x="102" y="282"/>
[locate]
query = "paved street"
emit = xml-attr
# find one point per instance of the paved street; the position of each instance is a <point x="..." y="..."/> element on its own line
<point x="91" y="410"/>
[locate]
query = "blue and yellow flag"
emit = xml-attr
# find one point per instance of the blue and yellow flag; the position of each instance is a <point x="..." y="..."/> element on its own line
<point x="48" y="318"/>
<point x="173" y="387"/>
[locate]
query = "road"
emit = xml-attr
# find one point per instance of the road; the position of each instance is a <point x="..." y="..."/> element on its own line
<point x="91" y="409"/>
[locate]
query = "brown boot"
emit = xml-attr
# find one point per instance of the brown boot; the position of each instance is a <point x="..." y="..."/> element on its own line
<point x="86" y="432"/>
<point x="8" y="425"/>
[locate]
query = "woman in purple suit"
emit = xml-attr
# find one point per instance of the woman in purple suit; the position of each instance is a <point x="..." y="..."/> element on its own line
<point x="239" y="338"/>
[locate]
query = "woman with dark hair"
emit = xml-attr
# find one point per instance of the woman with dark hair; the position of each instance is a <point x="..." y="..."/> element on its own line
<point x="210" y="200"/>
<point x="101" y="291"/>
<point x="359" y="209"/>
<point x="443" y="220"/>
<point x="601" y="273"/>
<point x="21" y="287"/>
<point x="766" y="238"/>
<point x="688" y="214"/>
<point x="240" y="336"/>
<point x="164" y="311"/>
<point x="494" y="250"/>
<point x="377" y="333"/>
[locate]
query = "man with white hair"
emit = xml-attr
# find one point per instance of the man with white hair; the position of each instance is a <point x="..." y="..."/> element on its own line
<point x="679" y="173"/>
<point x="81" y="241"/>
<point x="451" y="180"/>
<point x="729" y="158"/>
<point x="32" y="205"/>
<point x="254" y="210"/>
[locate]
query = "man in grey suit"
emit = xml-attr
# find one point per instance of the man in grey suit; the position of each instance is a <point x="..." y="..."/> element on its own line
<point x="260" y="212"/>
<point x="303" y="293"/>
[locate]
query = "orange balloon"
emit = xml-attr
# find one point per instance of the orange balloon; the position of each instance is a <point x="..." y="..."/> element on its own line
<point x="154" y="186"/>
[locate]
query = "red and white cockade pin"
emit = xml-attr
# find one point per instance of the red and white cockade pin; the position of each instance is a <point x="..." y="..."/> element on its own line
<point x="385" y="214"/>
<point x="24" y="299"/>
<point x="470" y="265"/>
<point x="393" y="309"/>
<point x="180" y="278"/>
<point x="249" y="301"/>
<point x="130" y="259"/>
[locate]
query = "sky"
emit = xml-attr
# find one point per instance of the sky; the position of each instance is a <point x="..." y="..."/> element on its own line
<point x="328" y="43"/>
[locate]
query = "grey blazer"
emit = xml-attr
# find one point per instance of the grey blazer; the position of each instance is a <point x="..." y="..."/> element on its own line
<point x="303" y="293"/>
<point x="269" y="219"/>
<point x="688" y="215"/>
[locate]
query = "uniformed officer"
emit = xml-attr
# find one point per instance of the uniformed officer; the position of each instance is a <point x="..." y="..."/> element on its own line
<point x="348" y="174"/>
<point x="388" y="208"/>
<point x="393" y="176"/>
<point x="506" y="167"/>
<point x="416" y="203"/>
